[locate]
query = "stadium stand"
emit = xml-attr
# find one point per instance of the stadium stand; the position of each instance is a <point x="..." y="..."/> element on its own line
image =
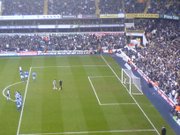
<point x="159" y="60"/>
<point x="111" y="7"/>
<point x="71" y="7"/>
<point x="37" y="42"/>
<point x="22" y="7"/>
<point x="135" y="6"/>
<point x="88" y="7"/>
<point x="169" y="7"/>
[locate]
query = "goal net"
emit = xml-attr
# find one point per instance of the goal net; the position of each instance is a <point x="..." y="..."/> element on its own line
<point x="131" y="82"/>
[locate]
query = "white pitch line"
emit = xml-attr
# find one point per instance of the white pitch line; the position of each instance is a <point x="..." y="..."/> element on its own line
<point x="24" y="99"/>
<point x="138" y="94"/>
<point x="3" y="92"/>
<point x="131" y="96"/>
<point x="66" y="66"/>
<point x="94" y="132"/>
<point x="94" y="90"/>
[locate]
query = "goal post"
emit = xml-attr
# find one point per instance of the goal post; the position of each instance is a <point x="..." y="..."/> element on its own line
<point x="131" y="82"/>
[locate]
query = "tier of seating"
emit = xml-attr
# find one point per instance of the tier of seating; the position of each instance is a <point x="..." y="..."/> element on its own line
<point x="159" y="59"/>
<point x="88" y="7"/>
<point x="51" y="42"/>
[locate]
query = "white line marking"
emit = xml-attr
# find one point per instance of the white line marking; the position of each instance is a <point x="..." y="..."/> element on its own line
<point x="3" y="92"/>
<point x="24" y="99"/>
<point x="94" y="90"/>
<point x="131" y="96"/>
<point x="66" y="66"/>
<point x="138" y="94"/>
<point x="94" y="132"/>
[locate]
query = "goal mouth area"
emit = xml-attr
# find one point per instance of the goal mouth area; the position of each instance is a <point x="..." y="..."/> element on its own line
<point x="131" y="82"/>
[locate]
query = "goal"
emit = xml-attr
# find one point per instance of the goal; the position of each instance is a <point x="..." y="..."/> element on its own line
<point x="131" y="82"/>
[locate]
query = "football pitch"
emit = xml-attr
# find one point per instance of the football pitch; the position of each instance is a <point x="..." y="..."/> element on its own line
<point x="93" y="101"/>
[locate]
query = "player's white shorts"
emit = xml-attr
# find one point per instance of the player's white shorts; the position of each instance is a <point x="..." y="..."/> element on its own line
<point x="22" y="77"/>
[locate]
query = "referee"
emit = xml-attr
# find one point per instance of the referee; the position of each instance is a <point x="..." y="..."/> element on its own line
<point x="60" y="84"/>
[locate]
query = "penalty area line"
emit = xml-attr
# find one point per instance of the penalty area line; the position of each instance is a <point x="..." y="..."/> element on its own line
<point x="94" y="90"/>
<point x="94" y="132"/>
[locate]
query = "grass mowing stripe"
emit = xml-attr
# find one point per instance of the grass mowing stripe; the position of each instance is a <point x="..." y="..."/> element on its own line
<point x="72" y="107"/>
<point x="131" y="96"/>
<point x="100" y="76"/>
<point x="71" y="66"/>
<point x="20" y="119"/>
<point x="110" y="104"/>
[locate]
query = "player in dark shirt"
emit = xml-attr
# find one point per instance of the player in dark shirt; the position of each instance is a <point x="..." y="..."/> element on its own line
<point x="163" y="131"/>
<point x="60" y="84"/>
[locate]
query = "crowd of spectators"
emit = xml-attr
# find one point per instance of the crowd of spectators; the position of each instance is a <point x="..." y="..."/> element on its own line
<point x="72" y="7"/>
<point x="169" y="7"/>
<point x="60" y="42"/>
<point x="111" y="6"/>
<point x="88" y="7"/>
<point x="22" y="7"/>
<point x="142" y="25"/>
<point x="134" y="6"/>
<point x="160" y="60"/>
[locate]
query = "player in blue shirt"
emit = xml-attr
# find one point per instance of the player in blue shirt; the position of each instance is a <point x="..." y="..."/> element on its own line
<point x="18" y="100"/>
<point x="18" y="105"/>
<point x="26" y="74"/>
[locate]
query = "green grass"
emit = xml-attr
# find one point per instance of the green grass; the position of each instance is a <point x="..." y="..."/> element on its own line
<point x="92" y="102"/>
